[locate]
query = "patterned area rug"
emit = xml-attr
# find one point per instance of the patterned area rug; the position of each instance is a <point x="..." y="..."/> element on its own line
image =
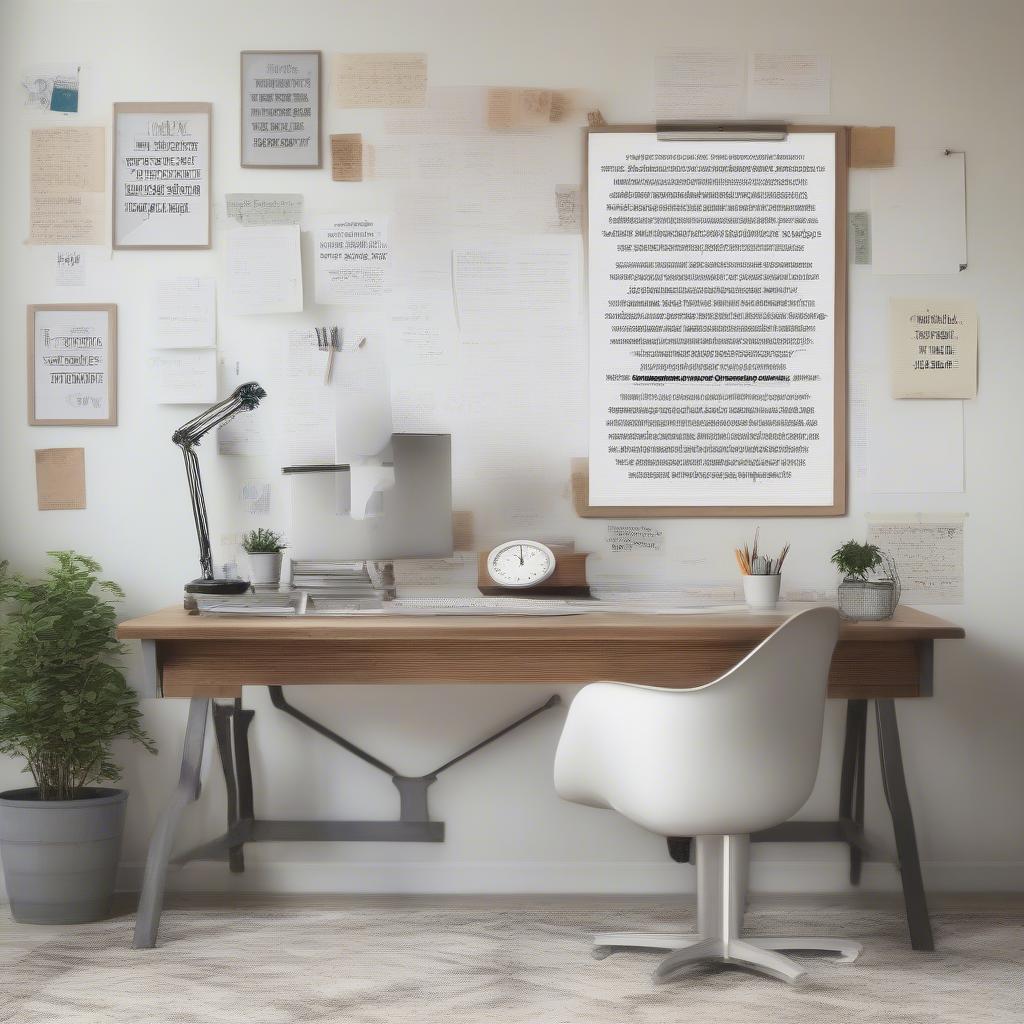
<point x="439" y="961"/>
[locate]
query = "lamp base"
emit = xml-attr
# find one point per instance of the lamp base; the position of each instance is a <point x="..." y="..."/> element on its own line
<point x="229" y="586"/>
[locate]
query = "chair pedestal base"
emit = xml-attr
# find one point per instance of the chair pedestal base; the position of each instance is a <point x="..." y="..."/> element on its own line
<point x="721" y="899"/>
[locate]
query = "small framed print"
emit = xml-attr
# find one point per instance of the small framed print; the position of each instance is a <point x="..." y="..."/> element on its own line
<point x="280" y="108"/>
<point x="161" y="175"/>
<point x="72" y="365"/>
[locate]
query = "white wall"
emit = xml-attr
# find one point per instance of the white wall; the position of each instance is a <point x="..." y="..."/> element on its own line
<point x="946" y="74"/>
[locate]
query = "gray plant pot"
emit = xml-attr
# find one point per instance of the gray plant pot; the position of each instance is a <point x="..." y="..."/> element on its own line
<point x="60" y="856"/>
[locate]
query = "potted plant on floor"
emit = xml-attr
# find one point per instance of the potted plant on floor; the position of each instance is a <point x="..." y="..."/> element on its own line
<point x="264" y="548"/>
<point x="62" y="704"/>
<point x="860" y="596"/>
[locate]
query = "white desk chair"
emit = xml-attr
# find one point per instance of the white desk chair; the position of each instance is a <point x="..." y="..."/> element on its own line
<point x="718" y="762"/>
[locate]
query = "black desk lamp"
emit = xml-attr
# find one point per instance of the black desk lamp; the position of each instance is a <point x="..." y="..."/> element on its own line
<point x="244" y="398"/>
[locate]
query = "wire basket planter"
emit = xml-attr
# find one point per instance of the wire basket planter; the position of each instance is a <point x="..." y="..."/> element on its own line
<point x="872" y="598"/>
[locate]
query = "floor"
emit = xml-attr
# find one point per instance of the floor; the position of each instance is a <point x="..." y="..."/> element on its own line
<point x="463" y="960"/>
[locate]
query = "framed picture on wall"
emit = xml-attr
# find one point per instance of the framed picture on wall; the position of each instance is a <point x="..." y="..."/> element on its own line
<point x="280" y="108"/>
<point x="72" y="365"/>
<point x="161" y="175"/>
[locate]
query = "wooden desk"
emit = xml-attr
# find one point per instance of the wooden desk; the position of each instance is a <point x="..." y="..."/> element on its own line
<point x="207" y="657"/>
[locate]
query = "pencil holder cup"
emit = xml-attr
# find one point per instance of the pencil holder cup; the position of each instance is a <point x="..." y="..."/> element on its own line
<point x="762" y="592"/>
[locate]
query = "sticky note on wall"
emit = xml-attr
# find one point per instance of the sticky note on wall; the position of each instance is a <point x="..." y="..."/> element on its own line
<point x="872" y="147"/>
<point x="60" y="478"/>
<point x="347" y="157"/>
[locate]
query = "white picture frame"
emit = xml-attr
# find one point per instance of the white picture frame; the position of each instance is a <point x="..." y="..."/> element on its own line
<point x="280" y="109"/>
<point x="160" y="177"/>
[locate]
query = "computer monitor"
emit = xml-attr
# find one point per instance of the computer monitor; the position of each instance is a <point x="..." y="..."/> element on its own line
<point x="415" y="520"/>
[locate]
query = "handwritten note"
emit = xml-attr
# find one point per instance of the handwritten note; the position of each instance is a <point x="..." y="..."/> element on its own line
<point x="66" y="190"/>
<point x="60" y="478"/>
<point x="634" y="537"/>
<point x="379" y="79"/>
<point x="184" y="312"/>
<point x="264" y="270"/>
<point x="347" y="157"/>
<point x="929" y="554"/>
<point x="264" y="209"/>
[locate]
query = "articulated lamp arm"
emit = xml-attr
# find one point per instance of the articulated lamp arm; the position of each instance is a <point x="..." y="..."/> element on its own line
<point x="244" y="398"/>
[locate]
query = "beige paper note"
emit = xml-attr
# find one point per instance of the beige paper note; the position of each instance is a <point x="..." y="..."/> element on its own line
<point x="60" y="478"/>
<point x="518" y="108"/>
<point x="934" y="348"/>
<point x="67" y="194"/>
<point x="872" y="147"/>
<point x="379" y="80"/>
<point x="347" y="157"/>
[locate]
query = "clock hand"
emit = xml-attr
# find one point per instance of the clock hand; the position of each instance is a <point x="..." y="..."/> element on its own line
<point x="521" y="562"/>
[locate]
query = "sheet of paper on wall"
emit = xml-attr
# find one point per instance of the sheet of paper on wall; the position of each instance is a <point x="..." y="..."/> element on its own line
<point x="698" y="84"/>
<point x="379" y="79"/>
<point x="184" y="312"/>
<point x="636" y="538"/>
<point x="69" y="268"/>
<point x="915" y="447"/>
<point x="256" y="497"/>
<point x="517" y="108"/>
<point x="264" y="270"/>
<point x="352" y="259"/>
<point x="919" y="216"/>
<point x="347" y="157"/>
<point x="788" y="83"/>
<point x="928" y="551"/>
<point x="307" y="431"/>
<point x="67" y="187"/>
<point x="532" y="282"/>
<point x="183" y="376"/>
<point x="60" y="478"/>
<point x="933" y="348"/>
<point x="568" y="208"/>
<point x="264" y="209"/>
<point x="860" y="237"/>
<point x="51" y="87"/>
<point x="423" y="327"/>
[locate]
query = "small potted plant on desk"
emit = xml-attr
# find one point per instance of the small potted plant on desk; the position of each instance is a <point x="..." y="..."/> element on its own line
<point x="264" y="548"/>
<point x="859" y="596"/>
<point x="62" y="704"/>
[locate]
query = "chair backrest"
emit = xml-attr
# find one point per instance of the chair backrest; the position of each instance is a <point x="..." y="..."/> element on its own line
<point x="731" y="757"/>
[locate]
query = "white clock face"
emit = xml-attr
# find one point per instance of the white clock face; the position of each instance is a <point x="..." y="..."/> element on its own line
<point x="520" y="563"/>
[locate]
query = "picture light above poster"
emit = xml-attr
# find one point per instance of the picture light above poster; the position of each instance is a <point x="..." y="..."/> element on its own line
<point x="161" y="175"/>
<point x="280" y="122"/>
<point x="72" y="365"/>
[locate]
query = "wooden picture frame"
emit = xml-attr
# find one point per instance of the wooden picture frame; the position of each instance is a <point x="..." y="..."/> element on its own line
<point x="175" y="235"/>
<point x="245" y="147"/>
<point x="580" y="472"/>
<point x="101" y="396"/>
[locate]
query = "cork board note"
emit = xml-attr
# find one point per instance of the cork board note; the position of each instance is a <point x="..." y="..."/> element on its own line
<point x="60" y="478"/>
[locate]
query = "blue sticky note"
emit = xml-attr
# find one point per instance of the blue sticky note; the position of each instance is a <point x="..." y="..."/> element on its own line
<point x="64" y="100"/>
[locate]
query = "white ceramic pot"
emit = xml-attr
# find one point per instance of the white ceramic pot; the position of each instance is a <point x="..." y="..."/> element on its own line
<point x="264" y="567"/>
<point x="762" y="592"/>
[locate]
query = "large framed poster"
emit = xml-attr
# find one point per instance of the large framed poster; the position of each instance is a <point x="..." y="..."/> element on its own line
<point x="161" y="175"/>
<point x="280" y="108"/>
<point x="717" y="314"/>
<point x="72" y="365"/>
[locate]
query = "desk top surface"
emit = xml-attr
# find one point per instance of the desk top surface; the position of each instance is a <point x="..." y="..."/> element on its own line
<point x="177" y="624"/>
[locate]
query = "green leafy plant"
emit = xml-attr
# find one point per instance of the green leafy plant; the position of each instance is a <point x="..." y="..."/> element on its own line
<point x="263" y="541"/>
<point x="855" y="560"/>
<point x="62" y="703"/>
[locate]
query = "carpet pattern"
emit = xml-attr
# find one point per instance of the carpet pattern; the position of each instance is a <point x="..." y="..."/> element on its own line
<point x="432" y="962"/>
